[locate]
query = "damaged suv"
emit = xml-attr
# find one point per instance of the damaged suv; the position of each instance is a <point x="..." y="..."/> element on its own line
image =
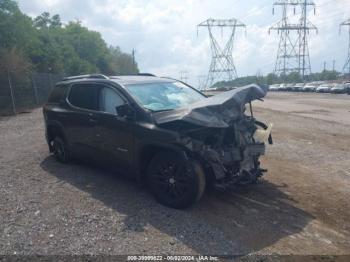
<point x="160" y="130"/>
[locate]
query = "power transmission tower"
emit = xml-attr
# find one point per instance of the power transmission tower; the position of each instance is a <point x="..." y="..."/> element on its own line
<point x="222" y="65"/>
<point x="346" y="68"/>
<point x="201" y="81"/>
<point x="306" y="26"/>
<point x="184" y="76"/>
<point x="293" y="50"/>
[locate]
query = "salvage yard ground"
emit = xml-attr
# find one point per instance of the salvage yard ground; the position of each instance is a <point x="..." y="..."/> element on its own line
<point x="301" y="207"/>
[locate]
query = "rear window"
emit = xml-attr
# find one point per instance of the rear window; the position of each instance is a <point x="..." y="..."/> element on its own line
<point x="84" y="96"/>
<point x="58" y="94"/>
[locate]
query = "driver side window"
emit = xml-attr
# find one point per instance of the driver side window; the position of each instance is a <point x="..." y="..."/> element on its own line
<point x="109" y="100"/>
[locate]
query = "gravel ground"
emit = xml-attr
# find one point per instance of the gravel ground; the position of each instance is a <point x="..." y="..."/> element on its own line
<point x="301" y="207"/>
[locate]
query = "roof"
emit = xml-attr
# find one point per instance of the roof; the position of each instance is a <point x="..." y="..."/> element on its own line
<point x="139" y="79"/>
<point x="122" y="80"/>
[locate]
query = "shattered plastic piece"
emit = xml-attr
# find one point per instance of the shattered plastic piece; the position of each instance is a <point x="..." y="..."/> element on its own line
<point x="263" y="135"/>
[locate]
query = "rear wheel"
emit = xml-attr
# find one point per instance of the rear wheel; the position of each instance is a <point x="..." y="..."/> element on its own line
<point x="60" y="150"/>
<point x="175" y="181"/>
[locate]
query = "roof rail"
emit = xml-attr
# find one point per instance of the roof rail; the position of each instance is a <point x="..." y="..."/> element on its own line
<point x="145" y="74"/>
<point x="139" y="74"/>
<point x="93" y="76"/>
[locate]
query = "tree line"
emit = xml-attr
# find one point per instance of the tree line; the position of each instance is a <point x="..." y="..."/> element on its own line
<point x="271" y="79"/>
<point x="45" y="45"/>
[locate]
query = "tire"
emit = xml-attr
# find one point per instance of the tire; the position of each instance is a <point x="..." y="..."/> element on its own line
<point x="60" y="150"/>
<point x="174" y="181"/>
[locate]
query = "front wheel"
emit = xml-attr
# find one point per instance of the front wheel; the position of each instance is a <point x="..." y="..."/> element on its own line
<point x="175" y="181"/>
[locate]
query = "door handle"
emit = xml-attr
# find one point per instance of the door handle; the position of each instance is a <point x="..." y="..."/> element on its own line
<point x="124" y="150"/>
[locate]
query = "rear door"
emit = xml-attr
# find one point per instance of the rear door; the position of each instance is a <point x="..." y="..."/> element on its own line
<point x="82" y="120"/>
<point x="116" y="132"/>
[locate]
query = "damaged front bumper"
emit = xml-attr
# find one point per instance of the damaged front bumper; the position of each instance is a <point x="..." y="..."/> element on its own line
<point x="235" y="164"/>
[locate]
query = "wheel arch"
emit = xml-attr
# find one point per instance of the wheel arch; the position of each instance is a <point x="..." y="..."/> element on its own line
<point x="53" y="130"/>
<point x="148" y="152"/>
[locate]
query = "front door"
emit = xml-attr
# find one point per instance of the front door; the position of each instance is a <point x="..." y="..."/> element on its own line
<point x="116" y="132"/>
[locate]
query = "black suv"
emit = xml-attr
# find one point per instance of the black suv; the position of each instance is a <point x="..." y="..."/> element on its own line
<point x="159" y="130"/>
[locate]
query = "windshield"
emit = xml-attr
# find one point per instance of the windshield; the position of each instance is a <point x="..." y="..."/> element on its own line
<point x="164" y="96"/>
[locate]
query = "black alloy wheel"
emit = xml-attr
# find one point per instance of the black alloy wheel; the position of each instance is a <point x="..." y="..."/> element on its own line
<point x="175" y="181"/>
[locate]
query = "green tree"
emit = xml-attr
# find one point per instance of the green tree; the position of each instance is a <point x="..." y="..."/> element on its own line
<point x="46" y="21"/>
<point x="293" y="77"/>
<point x="15" y="28"/>
<point x="56" y="21"/>
<point x="121" y="63"/>
<point x="42" y="21"/>
<point x="272" y="79"/>
<point x="52" y="47"/>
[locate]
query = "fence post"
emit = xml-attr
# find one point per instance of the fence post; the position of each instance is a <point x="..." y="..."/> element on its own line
<point x="50" y="79"/>
<point x="35" y="90"/>
<point x="11" y="91"/>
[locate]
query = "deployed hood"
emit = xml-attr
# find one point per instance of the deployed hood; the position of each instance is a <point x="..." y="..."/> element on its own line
<point x="216" y="111"/>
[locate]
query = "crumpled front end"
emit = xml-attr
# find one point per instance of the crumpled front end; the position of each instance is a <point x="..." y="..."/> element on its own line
<point x="228" y="141"/>
<point x="231" y="154"/>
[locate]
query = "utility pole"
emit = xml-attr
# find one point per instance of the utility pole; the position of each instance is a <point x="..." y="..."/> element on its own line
<point x="293" y="51"/>
<point x="133" y="57"/>
<point x="324" y="66"/>
<point x="346" y="68"/>
<point x="11" y="92"/>
<point x="333" y="65"/>
<point x="222" y="65"/>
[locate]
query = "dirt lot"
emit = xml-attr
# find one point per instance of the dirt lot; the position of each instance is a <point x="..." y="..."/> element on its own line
<point x="301" y="207"/>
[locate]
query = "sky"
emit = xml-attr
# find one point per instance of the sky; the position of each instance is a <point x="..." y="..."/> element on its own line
<point x="164" y="32"/>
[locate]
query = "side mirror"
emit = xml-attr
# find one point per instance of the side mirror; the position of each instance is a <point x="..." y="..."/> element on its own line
<point x="125" y="111"/>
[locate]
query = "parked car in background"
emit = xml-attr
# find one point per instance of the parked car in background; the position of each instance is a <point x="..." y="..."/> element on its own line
<point x="347" y="87"/>
<point x="309" y="87"/>
<point x="338" y="89"/>
<point x="282" y="87"/>
<point x="273" y="87"/>
<point x="289" y="87"/>
<point x="298" y="87"/>
<point x="324" y="88"/>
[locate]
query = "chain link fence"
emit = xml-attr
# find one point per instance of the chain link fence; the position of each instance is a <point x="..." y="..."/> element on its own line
<point x="19" y="93"/>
